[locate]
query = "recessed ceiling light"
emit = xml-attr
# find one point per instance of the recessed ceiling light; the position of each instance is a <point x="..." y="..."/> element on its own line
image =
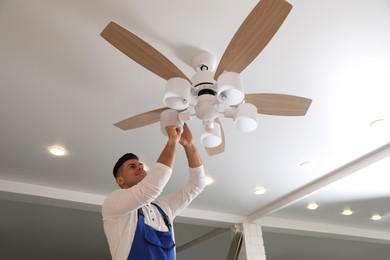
<point x="260" y="190"/>
<point x="347" y="212"/>
<point x="57" y="150"/>
<point x="305" y="164"/>
<point x="209" y="180"/>
<point x="312" y="205"/>
<point x="376" y="217"/>
<point x="377" y="122"/>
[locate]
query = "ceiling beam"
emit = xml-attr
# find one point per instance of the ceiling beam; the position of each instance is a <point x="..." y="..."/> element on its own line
<point x="320" y="229"/>
<point x="345" y="170"/>
<point x="201" y="239"/>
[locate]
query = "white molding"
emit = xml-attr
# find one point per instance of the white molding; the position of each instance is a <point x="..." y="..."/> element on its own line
<point x="32" y="193"/>
<point x="209" y="218"/>
<point x="299" y="227"/>
<point x="38" y="194"/>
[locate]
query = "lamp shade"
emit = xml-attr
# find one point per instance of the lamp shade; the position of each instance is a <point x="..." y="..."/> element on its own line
<point x="230" y="88"/>
<point x="170" y="117"/>
<point x="206" y="108"/>
<point x="177" y="93"/>
<point x="211" y="137"/>
<point x="246" y="119"/>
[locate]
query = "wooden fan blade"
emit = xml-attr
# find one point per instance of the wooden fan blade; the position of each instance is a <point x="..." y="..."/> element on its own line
<point x="279" y="104"/>
<point x="253" y="35"/>
<point x="220" y="148"/>
<point x="140" y="120"/>
<point x="140" y="51"/>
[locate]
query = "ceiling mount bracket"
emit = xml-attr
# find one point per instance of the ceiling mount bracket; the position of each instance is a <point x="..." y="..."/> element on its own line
<point x="204" y="61"/>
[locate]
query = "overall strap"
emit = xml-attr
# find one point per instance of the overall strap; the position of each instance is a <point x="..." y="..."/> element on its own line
<point x="140" y="212"/>
<point x="165" y="216"/>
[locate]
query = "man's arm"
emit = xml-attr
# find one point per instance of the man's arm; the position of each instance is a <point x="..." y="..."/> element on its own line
<point x="167" y="156"/>
<point x="190" y="149"/>
<point x="174" y="203"/>
<point x="126" y="200"/>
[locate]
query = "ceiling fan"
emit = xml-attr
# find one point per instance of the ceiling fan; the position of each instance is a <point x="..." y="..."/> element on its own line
<point x="208" y="91"/>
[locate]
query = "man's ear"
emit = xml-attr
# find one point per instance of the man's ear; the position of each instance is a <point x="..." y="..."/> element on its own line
<point x="120" y="181"/>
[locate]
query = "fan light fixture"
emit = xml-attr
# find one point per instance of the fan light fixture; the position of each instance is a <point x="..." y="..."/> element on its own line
<point x="177" y="93"/>
<point x="206" y="108"/>
<point x="211" y="135"/>
<point x="173" y="117"/>
<point x="170" y="117"/>
<point x="214" y="85"/>
<point x="230" y="89"/>
<point x="207" y="97"/>
<point x="244" y="117"/>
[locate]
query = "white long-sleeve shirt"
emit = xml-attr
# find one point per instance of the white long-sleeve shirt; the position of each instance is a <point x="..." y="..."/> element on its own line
<point x="120" y="207"/>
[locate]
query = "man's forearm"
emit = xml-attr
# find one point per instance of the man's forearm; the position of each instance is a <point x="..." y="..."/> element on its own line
<point x="193" y="156"/>
<point x="167" y="156"/>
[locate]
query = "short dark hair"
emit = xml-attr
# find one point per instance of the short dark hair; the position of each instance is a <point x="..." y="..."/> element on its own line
<point x="119" y="163"/>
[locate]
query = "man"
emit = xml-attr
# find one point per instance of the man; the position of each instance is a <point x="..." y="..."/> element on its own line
<point x="137" y="221"/>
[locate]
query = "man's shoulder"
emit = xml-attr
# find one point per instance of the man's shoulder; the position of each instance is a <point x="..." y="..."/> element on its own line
<point x="111" y="196"/>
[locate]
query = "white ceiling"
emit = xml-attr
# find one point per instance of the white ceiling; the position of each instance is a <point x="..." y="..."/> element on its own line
<point x="63" y="84"/>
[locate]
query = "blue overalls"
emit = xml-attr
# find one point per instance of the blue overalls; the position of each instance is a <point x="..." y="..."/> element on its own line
<point x="151" y="244"/>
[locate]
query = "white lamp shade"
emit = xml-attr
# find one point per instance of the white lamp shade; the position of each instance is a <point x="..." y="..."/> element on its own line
<point x="246" y="119"/>
<point x="230" y="88"/>
<point x="206" y="108"/>
<point x="170" y="117"/>
<point x="211" y="137"/>
<point x="177" y="93"/>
